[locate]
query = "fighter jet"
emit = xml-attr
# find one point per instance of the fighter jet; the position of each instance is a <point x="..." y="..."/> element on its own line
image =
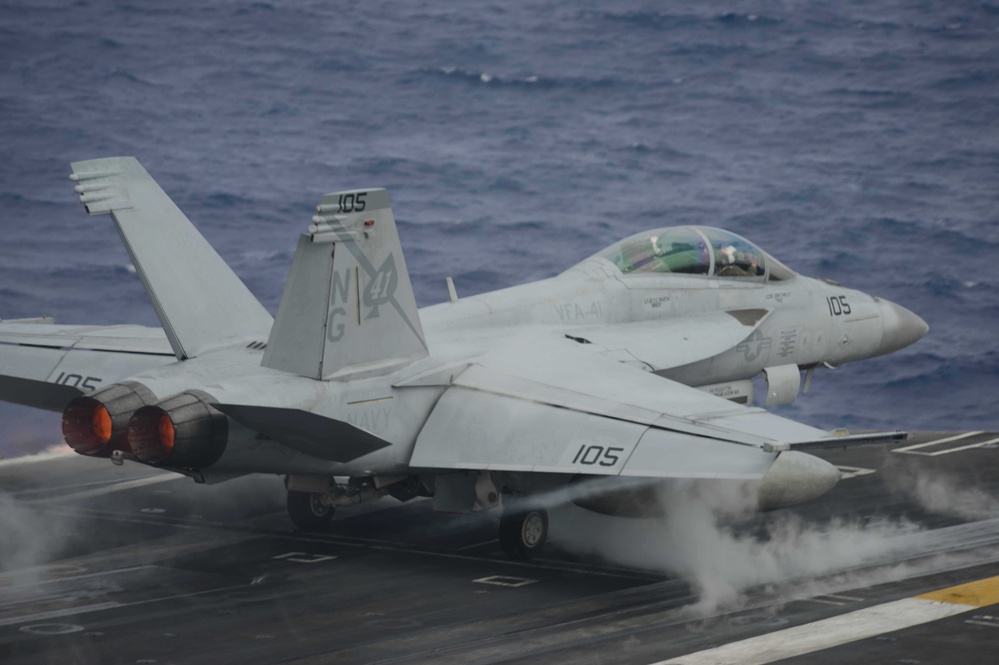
<point x="629" y="369"/>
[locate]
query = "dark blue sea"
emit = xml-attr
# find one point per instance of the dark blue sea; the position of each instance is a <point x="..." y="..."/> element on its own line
<point x="854" y="140"/>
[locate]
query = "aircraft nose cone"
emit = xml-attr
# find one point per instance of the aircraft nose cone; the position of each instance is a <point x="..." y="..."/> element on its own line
<point x="901" y="327"/>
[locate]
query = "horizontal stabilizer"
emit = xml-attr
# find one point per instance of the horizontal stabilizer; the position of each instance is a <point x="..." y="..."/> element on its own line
<point x="306" y="432"/>
<point x="39" y="394"/>
<point x="46" y="365"/>
<point x="120" y="338"/>
<point x="200" y="302"/>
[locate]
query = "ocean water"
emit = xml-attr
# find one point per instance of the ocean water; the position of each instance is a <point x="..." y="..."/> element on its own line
<point x="853" y="140"/>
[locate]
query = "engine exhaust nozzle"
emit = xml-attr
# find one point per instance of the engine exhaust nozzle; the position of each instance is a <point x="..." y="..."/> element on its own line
<point x="181" y="431"/>
<point x="97" y="424"/>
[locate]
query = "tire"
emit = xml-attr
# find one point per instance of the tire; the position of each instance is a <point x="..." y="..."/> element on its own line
<point x="522" y="533"/>
<point x="307" y="511"/>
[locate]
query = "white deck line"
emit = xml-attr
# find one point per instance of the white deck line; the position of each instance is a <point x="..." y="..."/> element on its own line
<point x="110" y="489"/>
<point x="58" y="614"/>
<point x="847" y="472"/>
<point x="927" y="444"/>
<point x="824" y="634"/>
<point x="948" y="451"/>
<point x="960" y="448"/>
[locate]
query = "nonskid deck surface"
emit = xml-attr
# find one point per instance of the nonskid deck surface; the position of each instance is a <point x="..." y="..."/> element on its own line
<point x="145" y="567"/>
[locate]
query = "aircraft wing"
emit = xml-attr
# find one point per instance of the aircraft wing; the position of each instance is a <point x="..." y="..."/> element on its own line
<point x="46" y="365"/>
<point x="561" y="407"/>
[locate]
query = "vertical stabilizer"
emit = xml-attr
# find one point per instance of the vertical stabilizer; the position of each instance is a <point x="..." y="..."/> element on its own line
<point x="348" y="304"/>
<point x="199" y="300"/>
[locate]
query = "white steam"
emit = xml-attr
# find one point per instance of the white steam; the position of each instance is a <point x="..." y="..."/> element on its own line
<point x="943" y="494"/>
<point x="29" y="539"/>
<point x="54" y="450"/>
<point x="697" y="540"/>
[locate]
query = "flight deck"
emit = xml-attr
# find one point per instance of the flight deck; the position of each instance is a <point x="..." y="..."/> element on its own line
<point x="142" y="566"/>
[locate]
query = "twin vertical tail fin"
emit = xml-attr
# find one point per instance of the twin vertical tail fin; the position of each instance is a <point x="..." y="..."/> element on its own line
<point x="199" y="300"/>
<point x="348" y="306"/>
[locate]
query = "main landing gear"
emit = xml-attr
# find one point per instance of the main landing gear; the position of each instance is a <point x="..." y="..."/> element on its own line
<point x="523" y="531"/>
<point x="309" y="510"/>
<point x="312" y="500"/>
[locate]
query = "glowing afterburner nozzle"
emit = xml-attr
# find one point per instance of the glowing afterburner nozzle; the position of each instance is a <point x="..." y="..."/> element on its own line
<point x="167" y="432"/>
<point x="150" y="438"/>
<point x="102" y="424"/>
<point x="181" y="431"/>
<point x="96" y="424"/>
<point x="86" y="426"/>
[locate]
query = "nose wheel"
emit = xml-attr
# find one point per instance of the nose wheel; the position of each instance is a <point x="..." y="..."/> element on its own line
<point x="308" y="510"/>
<point x="523" y="531"/>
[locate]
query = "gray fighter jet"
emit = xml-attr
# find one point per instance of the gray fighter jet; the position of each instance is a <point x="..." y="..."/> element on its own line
<point x="629" y="368"/>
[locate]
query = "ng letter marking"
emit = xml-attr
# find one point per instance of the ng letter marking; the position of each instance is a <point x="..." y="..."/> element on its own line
<point x="341" y="293"/>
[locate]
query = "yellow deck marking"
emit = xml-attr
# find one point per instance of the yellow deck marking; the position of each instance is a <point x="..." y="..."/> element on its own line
<point x="979" y="593"/>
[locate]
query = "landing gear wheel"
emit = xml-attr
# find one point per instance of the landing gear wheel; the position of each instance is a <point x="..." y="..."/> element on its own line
<point x="522" y="533"/>
<point x="308" y="511"/>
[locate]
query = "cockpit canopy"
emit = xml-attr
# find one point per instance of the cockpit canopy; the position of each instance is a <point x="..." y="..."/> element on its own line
<point x="694" y="250"/>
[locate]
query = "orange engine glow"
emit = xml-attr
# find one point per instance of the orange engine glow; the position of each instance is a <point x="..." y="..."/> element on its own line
<point x="86" y="424"/>
<point x="166" y="433"/>
<point x="179" y="431"/>
<point x="151" y="435"/>
<point x="95" y="424"/>
<point x="101" y="422"/>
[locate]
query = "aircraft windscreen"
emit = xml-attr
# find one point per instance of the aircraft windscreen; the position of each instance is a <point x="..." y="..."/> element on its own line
<point x="734" y="256"/>
<point x="680" y="250"/>
<point x="689" y="250"/>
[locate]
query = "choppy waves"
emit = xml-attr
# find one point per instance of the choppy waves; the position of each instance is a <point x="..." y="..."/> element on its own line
<point x="854" y="142"/>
